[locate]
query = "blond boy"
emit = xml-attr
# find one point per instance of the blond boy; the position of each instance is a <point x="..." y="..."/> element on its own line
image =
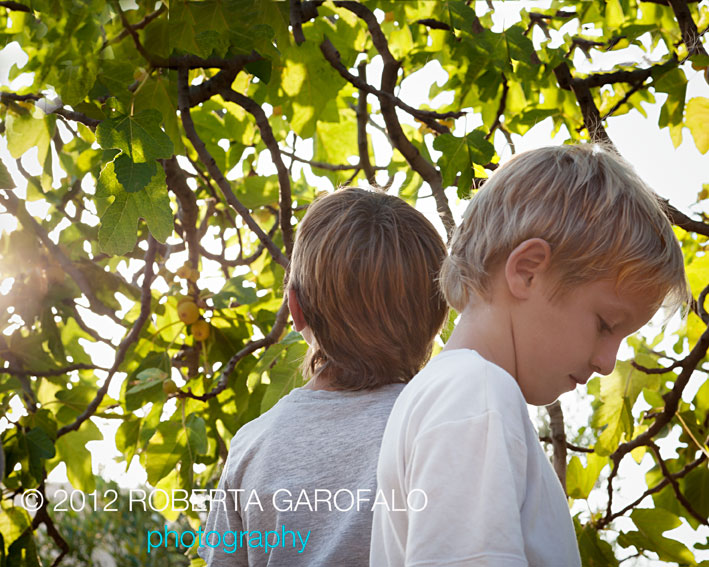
<point x="362" y="291"/>
<point x="561" y="255"/>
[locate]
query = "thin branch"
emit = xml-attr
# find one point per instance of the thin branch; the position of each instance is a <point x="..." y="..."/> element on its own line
<point x="622" y="101"/>
<point x="43" y="517"/>
<point x="215" y="173"/>
<point x="683" y="221"/>
<point x="654" y="370"/>
<point x="433" y="24"/>
<point x="362" y="115"/>
<point x="589" y="110"/>
<point x="558" y="438"/>
<point x="6" y="97"/>
<point x="671" y="399"/>
<point x="323" y="165"/>
<point x="500" y="108"/>
<point x="569" y="446"/>
<point x="428" y="172"/>
<point x="83" y="326"/>
<point x="296" y="21"/>
<point x="690" y="35"/>
<point x="608" y="518"/>
<point x="139" y="26"/>
<point x="16" y="6"/>
<point x="429" y="117"/>
<point x="265" y="342"/>
<point x="187" y="212"/>
<point x="122" y="349"/>
<point x="50" y="372"/>
<point x="678" y="493"/>
<point x="240" y="261"/>
<point x="623" y="76"/>
<point x="285" y="202"/>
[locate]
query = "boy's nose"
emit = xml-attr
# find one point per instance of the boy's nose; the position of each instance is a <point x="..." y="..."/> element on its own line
<point x="604" y="358"/>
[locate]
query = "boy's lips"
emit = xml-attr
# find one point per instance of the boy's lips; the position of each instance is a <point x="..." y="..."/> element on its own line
<point x="579" y="380"/>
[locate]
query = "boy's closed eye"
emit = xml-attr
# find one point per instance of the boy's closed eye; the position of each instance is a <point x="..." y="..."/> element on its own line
<point x="603" y="326"/>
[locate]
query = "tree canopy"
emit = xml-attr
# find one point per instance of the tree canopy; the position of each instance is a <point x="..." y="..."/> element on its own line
<point x="155" y="148"/>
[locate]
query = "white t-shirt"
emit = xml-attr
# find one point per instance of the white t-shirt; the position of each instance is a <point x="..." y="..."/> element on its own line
<point x="460" y="433"/>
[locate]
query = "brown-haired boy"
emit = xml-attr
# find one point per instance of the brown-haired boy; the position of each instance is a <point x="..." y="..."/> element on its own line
<point x="562" y="254"/>
<point x="362" y="291"/>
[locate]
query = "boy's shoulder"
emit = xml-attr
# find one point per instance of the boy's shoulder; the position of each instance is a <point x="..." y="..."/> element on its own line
<point x="461" y="384"/>
<point x="312" y="412"/>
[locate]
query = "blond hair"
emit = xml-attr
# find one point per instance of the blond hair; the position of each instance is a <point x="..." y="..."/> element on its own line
<point x="587" y="202"/>
<point x="364" y="268"/>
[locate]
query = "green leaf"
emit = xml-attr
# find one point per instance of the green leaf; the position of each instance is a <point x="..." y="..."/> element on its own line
<point x="234" y="289"/>
<point x="138" y="136"/>
<point x="73" y="80"/>
<point x="459" y="154"/>
<point x="13" y="522"/>
<point x="6" y="181"/>
<point x="174" y="441"/>
<point x="580" y="480"/>
<point x="284" y="375"/>
<point x="25" y="132"/>
<point x="593" y="550"/>
<point x="133" y="176"/>
<point x="72" y="451"/>
<point x="149" y="374"/>
<point x="258" y="190"/>
<point x="23" y="552"/>
<point x="618" y="393"/>
<point x="651" y="524"/>
<point x="674" y="83"/>
<point x="696" y="490"/>
<point x="697" y="121"/>
<point x="120" y="211"/>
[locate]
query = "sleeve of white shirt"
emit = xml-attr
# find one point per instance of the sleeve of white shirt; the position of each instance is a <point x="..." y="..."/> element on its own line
<point x="473" y="473"/>
<point x="224" y="518"/>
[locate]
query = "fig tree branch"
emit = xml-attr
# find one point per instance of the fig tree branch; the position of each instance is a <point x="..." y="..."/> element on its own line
<point x="139" y="26"/>
<point x="130" y="338"/>
<point x="188" y="211"/>
<point x="216" y="174"/>
<point x="429" y="117"/>
<point x="690" y="35"/>
<point x="6" y="97"/>
<point x="362" y="115"/>
<point x="50" y="372"/>
<point x="558" y="439"/>
<point x="270" y="339"/>
<point x="285" y="203"/>
<point x="322" y="164"/>
<point x="16" y="6"/>
<point x="427" y="170"/>
<point x="675" y="487"/>
<point x="609" y="517"/>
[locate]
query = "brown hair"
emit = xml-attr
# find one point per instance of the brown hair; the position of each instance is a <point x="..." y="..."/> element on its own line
<point x="587" y="202"/>
<point x="364" y="269"/>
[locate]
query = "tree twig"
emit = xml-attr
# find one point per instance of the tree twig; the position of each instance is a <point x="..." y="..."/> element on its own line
<point x="285" y="203"/>
<point x="265" y="342"/>
<point x="125" y="343"/>
<point x="558" y="439"/>
<point x="216" y="174"/>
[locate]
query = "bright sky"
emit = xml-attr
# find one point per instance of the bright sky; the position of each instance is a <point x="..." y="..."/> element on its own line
<point x="677" y="174"/>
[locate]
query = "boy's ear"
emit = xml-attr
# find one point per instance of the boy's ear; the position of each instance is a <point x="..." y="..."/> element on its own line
<point x="296" y="312"/>
<point x="524" y="265"/>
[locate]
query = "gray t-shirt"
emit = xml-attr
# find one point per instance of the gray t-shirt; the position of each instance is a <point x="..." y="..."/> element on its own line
<point x="305" y="471"/>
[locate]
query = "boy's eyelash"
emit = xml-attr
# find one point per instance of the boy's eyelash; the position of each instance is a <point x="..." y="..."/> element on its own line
<point x="603" y="326"/>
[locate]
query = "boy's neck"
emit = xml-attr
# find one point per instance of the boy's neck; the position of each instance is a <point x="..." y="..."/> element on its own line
<point x="486" y="328"/>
